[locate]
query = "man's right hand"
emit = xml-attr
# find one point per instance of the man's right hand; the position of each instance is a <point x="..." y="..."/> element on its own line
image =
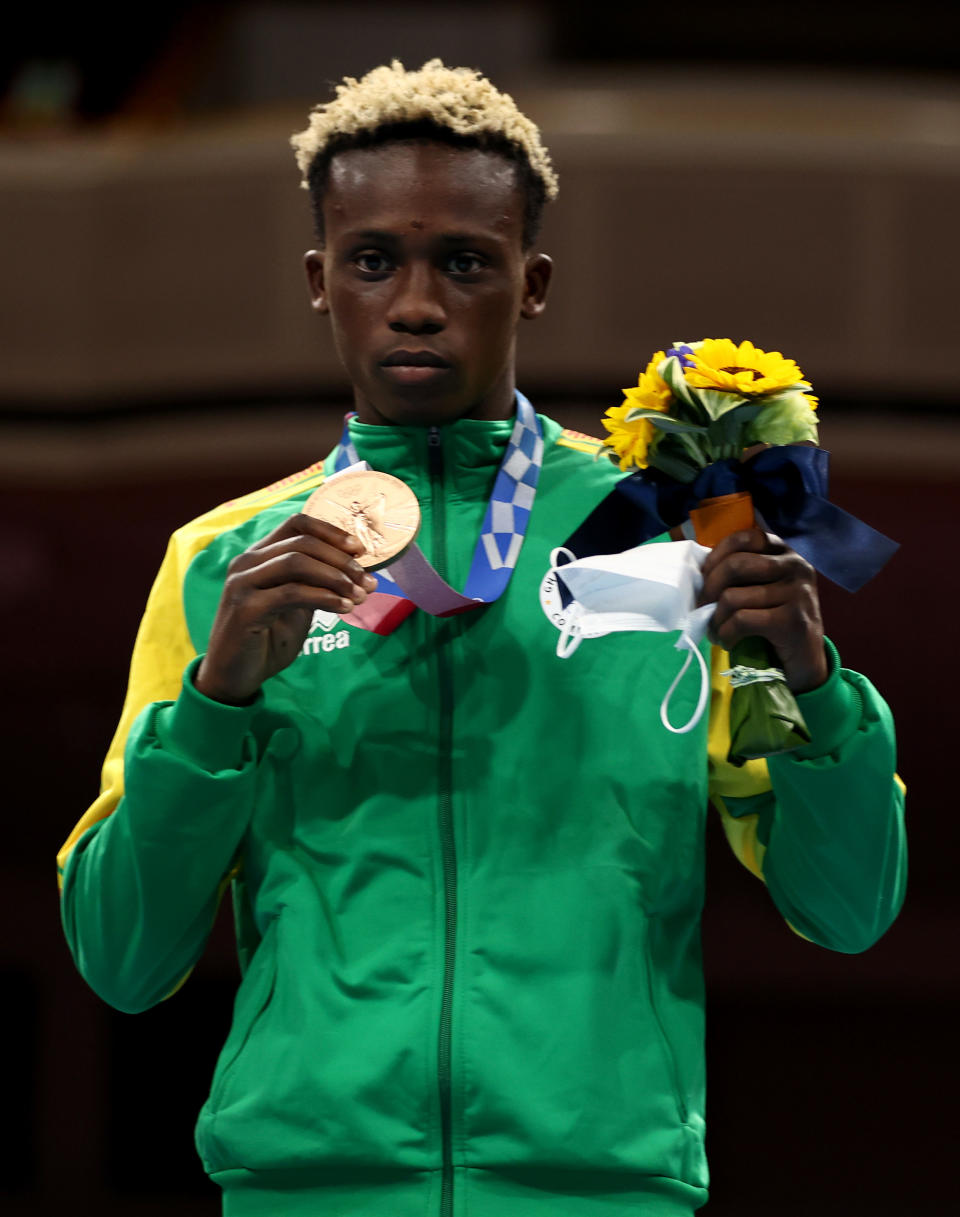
<point x="268" y="601"/>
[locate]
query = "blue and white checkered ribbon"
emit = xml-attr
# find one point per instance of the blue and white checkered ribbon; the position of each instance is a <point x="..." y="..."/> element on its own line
<point x="507" y="515"/>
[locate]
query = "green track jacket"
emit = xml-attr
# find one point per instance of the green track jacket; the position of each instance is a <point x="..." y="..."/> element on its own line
<point x="467" y="875"/>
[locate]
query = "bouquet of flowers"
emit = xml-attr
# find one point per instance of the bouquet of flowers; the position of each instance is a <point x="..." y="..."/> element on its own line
<point x="707" y="401"/>
<point x="699" y="406"/>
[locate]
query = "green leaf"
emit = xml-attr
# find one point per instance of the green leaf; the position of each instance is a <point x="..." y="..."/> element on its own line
<point x="693" y="446"/>
<point x="717" y="403"/>
<point x="665" y="422"/>
<point x="673" y="375"/>
<point x="785" y="418"/>
<point x="765" y="719"/>
<point x="673" y="465"/>
<point x="728" y="430"/>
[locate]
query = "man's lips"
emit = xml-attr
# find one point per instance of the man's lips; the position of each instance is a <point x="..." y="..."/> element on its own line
<point x="413" y="359"/>
<point x="414" y="367"/>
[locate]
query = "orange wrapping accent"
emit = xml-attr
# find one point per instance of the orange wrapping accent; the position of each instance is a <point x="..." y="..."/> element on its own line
<point x="717" y="518"/>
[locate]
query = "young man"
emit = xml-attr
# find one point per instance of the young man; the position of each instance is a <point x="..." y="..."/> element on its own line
<point x="467" y="876"/>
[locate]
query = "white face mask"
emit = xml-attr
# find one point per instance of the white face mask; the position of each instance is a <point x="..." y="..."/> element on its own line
<point x="651" y="587"/>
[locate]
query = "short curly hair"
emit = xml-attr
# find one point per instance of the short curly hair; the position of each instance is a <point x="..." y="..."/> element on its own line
<point x="456" y="106"/>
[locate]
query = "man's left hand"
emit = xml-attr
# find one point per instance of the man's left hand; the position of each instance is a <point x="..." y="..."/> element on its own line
<point x="763" y="589"/>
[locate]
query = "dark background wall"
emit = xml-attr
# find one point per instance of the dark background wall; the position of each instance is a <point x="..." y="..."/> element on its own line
<point x="788" y="178"/>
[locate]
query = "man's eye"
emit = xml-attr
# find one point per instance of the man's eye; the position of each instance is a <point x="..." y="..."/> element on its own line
<point x="464" y="264"/>
<point x="372" y="262"/>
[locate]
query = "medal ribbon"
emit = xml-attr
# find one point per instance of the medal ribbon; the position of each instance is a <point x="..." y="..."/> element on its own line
<point x="410" y="581"/>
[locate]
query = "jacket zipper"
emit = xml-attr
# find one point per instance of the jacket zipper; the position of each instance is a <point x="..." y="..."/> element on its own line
<point x="445" y="825"/>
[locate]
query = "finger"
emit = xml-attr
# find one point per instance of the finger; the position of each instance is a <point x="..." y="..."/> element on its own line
<point x="744" y="569"/>
<point x="750" y="540"/>
<point x="748" y="623"/>
<point x="310" y="546"/>
<point x="296" y="567"/>
<point x="789" y="627"/>
<point x="764" y="596"/>
<point x="300" y="525"/>
<point x="265" y="603"/>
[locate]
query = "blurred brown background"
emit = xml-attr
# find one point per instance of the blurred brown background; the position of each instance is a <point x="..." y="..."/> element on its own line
<point x="786" y="173"/>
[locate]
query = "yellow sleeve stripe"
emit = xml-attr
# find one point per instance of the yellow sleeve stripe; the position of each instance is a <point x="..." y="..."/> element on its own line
<point x="161" y="652"/>
<point x="741" y="833"/>
<point x="580" y="442"/>
<point x="286" y="487"/>
<point x="730" y="781"/>
<point x="163" y="647"/>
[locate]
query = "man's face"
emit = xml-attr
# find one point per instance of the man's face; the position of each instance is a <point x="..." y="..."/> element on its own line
<point x="424" y="277"/>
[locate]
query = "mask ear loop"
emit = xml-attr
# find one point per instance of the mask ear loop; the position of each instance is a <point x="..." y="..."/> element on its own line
<point x="570" y="636"/>
<point x="692" y="649"/>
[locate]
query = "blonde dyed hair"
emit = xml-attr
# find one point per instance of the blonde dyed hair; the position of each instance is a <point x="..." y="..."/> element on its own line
<point x="458" y="100"/>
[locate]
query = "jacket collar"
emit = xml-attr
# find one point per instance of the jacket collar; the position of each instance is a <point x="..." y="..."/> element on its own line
<point x="472" y="450"/>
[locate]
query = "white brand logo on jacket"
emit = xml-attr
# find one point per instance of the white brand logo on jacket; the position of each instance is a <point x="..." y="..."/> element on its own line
<point x="314" y="643"/>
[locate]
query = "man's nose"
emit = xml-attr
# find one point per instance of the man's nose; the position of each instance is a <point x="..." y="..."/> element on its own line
<point x="417" y="306"/>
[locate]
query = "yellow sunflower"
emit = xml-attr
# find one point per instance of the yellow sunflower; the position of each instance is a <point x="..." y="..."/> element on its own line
<point x="631" y="440"/>
<point x="745" y="369"/>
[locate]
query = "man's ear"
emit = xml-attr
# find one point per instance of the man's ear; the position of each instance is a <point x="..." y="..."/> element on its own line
<point x="313" y="261"/>
<point x="536" y="279"/>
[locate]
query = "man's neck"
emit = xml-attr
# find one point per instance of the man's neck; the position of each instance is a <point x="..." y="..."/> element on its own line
<point x="496" y="405"/>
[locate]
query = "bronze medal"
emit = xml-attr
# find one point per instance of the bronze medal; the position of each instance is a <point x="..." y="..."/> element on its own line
<point x="378" y="509"/>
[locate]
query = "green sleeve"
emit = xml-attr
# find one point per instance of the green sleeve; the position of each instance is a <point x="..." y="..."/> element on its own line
<point x="141" y="887"/>
<point x="833" y="830"/>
